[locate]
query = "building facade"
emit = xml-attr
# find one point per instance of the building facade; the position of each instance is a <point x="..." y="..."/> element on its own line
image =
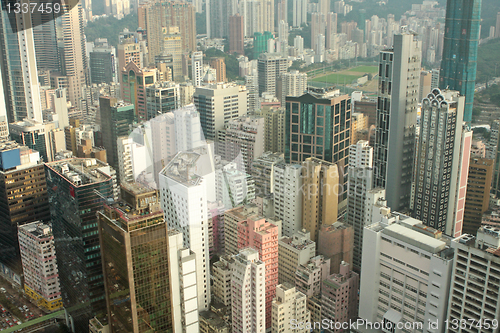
<point x="134" y="242"/>
<point x="41" y="278"/>
<point x="399" y="72"/>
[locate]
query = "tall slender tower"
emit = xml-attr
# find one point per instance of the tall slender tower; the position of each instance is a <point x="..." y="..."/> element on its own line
<point x="461" y="40"/>
<point x="72" y="47"/>
<point x="399" y="78"/>
<point x="438" y="159"/>
<point x="18" y="66"/>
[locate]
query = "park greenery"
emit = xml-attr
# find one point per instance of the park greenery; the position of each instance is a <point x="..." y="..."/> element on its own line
<point x="110" y="27"/>
<point x="488" y="62"/>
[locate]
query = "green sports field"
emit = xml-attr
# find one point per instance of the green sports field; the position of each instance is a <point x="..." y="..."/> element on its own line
<point x="346" y="76"/>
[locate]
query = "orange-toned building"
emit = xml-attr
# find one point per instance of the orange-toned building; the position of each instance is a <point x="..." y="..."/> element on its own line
<point x="263" y="237"/>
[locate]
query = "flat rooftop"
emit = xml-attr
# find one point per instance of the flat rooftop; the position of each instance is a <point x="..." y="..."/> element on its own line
<point x="82" y="171"/>
<point x="414" y="238"/>
<point x="189" y="167"/>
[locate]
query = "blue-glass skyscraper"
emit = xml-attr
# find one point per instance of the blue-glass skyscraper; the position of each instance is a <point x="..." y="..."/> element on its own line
<point x="461" y="40"/>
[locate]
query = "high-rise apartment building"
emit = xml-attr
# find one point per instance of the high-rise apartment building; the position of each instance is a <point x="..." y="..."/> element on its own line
<point x="242" y="141"/>
<point x="492" y="143"/>
<point x="217" y="104"/>
<point x="287" y="179"/>
<point x="293" y="252"/>
<point x="38" y="255"/>
<point x="18" y="67"/>
<point x="78" y="188"/>
<point x="262" y="171"/>
<point x="187" y="183"/>
<point x="162" y="97"/>
<point x="289" y="307"/>
<point x="335" y="244"/>
<point x="248" y="300"/>
<point x="218" y="17"/>
<point x="263" y="237"/>
<point x="318" y="125"/>
<point x="172" y="46"/>
<point x="134" y="245"/>
<point x="233" y="186"/>
<point x="274" y="125"/>
<point x="270" y="67"/>
<point x="320" y="183"/>
<point x="231" y="219"/>
<point x="399" y="71"/>
<point x="154" y="15"/>
<point x="461" y="41"/>
<point x="23" y="197"/>
<point x="299" y="11"/>
<point x="474" y="287"/>
<point x="477" y="198"/>
<point x="406" y="273"/>
<point x="222" y="274"/>
<point x="340" y="296"/>
<point x="293" y="84"/>
<point x="236" y="34"/>
<point x="116" y="118"/>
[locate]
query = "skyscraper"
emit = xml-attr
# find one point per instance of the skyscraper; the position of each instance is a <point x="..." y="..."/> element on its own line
<point x="287" y="179"/>
<point x="18" y="67"/>
<point x="399" y="73"/>
<point x="317" y="125"/>
<point x="299" y="10"/>
<point x="242" y="141"/>
<point x="218" y="103"/>
<point x="78" y="188"/>
<point x="134" y="250"/>
<point x="461" y="40"/>
<point x="249" y="292"/>
<point x="270" y="67"/>
<point x="320" y="181"/>
<point x="236" y="34"/>
<point x="478" y="193"/>
<point x="263" y="237"/>
<point x="438" y="161"/>
<point x="23" y="197"/>
<point x="154" y="15"/>
<point x="197" y="68"/>
<point x="116" y="118"/>
<point x="73" y="50"/>
<point x="187" y="183"/>
<point x="134" y="83"/>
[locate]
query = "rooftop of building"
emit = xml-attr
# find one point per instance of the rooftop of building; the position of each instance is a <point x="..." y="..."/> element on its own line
<point x="298" y="241"/>
<point x="413" y="232"/>
<point x="82" y="171"/>
<point x="487" y="239"/>
<point x="247" y="255"/>
<point x="270" y="157"/>
<point x="189" y="167"/>
<point x="38" y="229"/>
<point x="259" y="226"/>
<point x="244" y="212"/>
<point x="213" y="320"/>
<point x="325" y="228"/>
